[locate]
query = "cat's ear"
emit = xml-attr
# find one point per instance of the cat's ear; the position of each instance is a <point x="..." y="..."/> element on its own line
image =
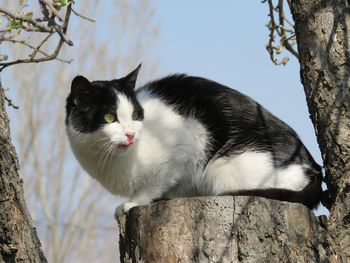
<point x="81" y="89"/>
<point x="130" y="79"/>
<point x="80" y="85"/>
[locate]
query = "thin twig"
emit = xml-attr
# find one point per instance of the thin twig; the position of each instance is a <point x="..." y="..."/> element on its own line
<point x="272" y="28"/>
<point x="5" y="30"/>
<point x="45" y="11"/>
<point x="282" y="32"/>
<point x="284" y="40"/>
<point x="53" y="10"/>
<point x="36" y="49"/>
<point x="290" y="37"/>
<point x="36" y="24"/>
<point x="10" y="103"/>
<point x="83" y="17"/>
<point x="63" y="34"/>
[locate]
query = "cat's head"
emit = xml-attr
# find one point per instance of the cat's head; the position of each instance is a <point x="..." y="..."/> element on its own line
<point x="104" y="112"/>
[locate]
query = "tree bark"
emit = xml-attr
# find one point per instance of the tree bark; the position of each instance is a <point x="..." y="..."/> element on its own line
<point x="18" y="238"/>
<point x="222" y="229"/>
<point x="322" y="28"/>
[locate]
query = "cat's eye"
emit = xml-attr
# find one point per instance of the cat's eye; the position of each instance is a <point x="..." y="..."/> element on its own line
<point x="109" y="118"/>
<point x="135" y="115"/>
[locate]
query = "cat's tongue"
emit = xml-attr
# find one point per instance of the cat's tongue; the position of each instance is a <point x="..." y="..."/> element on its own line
<point x="128" y="143"/>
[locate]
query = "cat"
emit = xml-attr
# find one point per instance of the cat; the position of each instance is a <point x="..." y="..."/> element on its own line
<point x="185" y="136"/>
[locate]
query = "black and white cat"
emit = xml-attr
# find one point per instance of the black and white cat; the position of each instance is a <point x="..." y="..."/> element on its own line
<point x="184" y="136"/>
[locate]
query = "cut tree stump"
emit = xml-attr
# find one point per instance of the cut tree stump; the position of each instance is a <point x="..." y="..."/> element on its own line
<point x="222" y="229"/>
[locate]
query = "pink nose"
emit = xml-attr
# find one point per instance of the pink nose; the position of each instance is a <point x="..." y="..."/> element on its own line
<point x="130" y="135"/>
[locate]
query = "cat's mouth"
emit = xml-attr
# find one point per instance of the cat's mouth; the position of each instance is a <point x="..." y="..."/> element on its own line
<point x="127" y="144"/>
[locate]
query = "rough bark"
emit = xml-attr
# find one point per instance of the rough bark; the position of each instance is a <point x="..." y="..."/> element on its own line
<point x="322" y="30"/>
<point x="222" y="229"/>
<point x="18" y="238"/>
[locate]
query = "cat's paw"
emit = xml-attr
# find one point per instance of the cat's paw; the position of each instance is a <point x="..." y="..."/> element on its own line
<point x="123" y="208"/>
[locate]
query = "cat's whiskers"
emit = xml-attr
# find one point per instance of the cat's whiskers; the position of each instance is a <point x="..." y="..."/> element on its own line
<point x="112" y="147"/>
<point x="103" y="155"/>
<point x="99" y="141"/>
<point x="106" y="156"/>
<point x="100" y="148"/>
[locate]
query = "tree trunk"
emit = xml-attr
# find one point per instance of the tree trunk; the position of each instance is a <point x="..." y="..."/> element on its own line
<point x="222" y="229"/>
<point x="18" y="238"/>
<point x="322" y="28"/>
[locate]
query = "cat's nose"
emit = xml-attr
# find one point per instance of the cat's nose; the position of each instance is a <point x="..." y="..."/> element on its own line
<point x="130" y="135"/>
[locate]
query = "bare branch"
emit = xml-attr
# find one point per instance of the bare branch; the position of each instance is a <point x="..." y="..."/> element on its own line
<point x="44" y="10"/>
<point x="53" y="10"/>
<point x="40" y="27"/>
<point x="10" y="104"/>
<point x="283" y="35"/>
<point x="83" y="17"/>
<point x="286" y="35"/>
<point x="62" y="32"/>
<point x="36" y="49"/>
<point x="272" y="28"/>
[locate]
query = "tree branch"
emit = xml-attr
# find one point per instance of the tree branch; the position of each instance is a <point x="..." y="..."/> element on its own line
<point x="40" y="27"/>
<point x="284" y="39"/>
<point x="82" y="16"/>
<point x="36" y="49"/>
<point x="286" y="36"/>
<point x="53" y="10"/>
<point x="61" y="30"/>
<point x="10" y="103"/>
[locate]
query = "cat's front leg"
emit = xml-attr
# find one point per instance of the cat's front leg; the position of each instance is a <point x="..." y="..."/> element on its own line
<point x="136" y="200"/>
<point x="123" y="208"/>
<point x="146" y="192"/>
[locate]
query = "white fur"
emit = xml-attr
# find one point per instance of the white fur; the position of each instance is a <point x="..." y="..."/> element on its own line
<point x="249" y="170"/>
<point x="168" y="157"/>
<point x="123" y="208"/>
